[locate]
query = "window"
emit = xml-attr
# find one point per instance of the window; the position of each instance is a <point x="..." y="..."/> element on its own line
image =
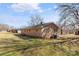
<point x="28" y="30"/>
<point x="37" y="30"/>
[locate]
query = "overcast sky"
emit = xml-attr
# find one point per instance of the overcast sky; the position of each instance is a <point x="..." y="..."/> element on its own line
<point x="17" y="14"/>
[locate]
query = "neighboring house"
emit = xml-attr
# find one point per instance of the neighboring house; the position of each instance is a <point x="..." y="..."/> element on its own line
<point x="40" y="30"/>
<point x="77" y="32"/>
<point x="70" y="30"/>
<point x="18" y="31"/>
<point x="13" y="30"/>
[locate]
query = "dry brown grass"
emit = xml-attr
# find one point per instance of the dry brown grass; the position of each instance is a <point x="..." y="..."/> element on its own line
<point x="6" y="35"/>
<point x="13" y="45"/>
<point x="69" y="36"/>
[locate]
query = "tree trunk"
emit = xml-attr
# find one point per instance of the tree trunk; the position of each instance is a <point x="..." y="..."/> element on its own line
<point x="61" y="31"/>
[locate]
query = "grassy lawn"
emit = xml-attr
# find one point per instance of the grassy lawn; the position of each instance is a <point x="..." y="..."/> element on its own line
<point x="17" y="45"/>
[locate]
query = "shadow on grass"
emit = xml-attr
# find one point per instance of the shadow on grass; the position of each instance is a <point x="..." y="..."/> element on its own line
<point x="25" y="37"/>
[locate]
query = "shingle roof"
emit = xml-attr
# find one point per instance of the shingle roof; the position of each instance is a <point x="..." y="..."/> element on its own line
<point x="40" y="26"/>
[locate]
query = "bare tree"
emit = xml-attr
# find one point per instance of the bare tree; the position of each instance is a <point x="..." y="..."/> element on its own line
<point x="35" y="20"/>
<point x="4" y="27"/>
<point x="69" y="15"/>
